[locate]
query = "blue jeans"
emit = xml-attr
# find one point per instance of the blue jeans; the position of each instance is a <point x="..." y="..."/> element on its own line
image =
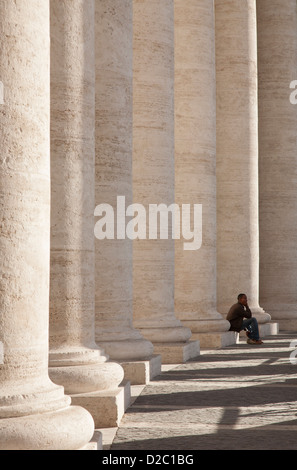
<point x="251" y="326"/>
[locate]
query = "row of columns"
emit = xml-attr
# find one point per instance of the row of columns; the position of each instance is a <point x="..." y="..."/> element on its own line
<point x="157" y="102"/>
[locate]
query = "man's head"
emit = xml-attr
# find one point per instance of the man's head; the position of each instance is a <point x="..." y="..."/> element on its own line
<point x="242" y="299"/>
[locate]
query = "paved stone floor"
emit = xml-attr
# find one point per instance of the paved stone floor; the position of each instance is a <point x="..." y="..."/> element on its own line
<point x="239" y="397"/>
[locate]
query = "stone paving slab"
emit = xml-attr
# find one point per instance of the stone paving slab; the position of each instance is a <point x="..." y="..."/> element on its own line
<point x="238" y="397"/>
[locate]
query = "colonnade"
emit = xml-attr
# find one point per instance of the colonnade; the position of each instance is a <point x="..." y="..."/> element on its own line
<point x="173" y="103"/>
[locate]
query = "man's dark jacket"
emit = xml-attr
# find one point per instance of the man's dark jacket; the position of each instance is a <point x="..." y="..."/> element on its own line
<point x="236" y="315"/>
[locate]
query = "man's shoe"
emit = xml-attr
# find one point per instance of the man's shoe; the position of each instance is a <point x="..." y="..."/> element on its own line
<point x="254" y="341"/>
<point x="251" y="341"/>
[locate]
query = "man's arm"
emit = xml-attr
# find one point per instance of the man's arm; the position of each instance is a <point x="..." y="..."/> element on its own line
<point x="247" y="313"/>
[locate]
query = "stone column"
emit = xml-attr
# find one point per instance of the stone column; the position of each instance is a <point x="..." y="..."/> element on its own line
<point x="277" y="55"/>
<point x="34" y="412"/>
<point x="114" y="265"/>
<point x="153" y="176"/>
<point x="195" y="170"/>
<point x="237" y="155"/>
<point x="76" y="362"/>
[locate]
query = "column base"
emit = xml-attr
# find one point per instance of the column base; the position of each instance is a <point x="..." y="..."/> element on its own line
<point x="261" y="316"/>
<point x="269" y="329"/>
<point x="216" y="340"/>
<point x="166" y="329"/>
<point x="142" y="372"/>
<point x="127" y="350"/>
<point x="209" y="325"/>
<point x="177" y="353"/>
<point x="71" y="428"/>
<point x="166" y="334"/>
<point x="106" y="407"/>
<point x="85" y="378"/>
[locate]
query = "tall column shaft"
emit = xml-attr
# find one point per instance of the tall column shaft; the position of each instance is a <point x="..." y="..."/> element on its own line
<point x="34" y="413"/>
<point x="114" y="265"/>
<point x="277" y="53"/>
<point x="195" y="163"/>
<point x="153" y="167"/>
<point x="76" y="362"/>
<point x="237" y="155"/>
<point x="72" y="183"/>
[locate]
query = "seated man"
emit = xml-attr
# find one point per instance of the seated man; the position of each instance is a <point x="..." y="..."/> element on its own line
<point x="240" y="318"/>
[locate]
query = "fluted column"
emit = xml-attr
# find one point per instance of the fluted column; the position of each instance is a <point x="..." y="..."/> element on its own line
<point x="195" y="165"/>
<point x="153" y="168"/>
<point x="114" y="265"/>
<point x="76" y="362"/>
<point x="237" y="155"/>
<point x="34" y="412"/>
<point x="277" y="54"/>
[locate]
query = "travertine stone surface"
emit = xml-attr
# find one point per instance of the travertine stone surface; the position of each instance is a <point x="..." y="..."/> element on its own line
<point x="175" y="353"/>
<point x="142" y="372"/>
<point x="153" y="167"/>
<point x="34" y="412"/>
<point x="106" y="409"/>
<point x="195" y="162"/>
<point x="277" y="54"/>
<point x="237" y="155"/>
<point x="114" y="267"/>
<point x="76" y="362"/>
